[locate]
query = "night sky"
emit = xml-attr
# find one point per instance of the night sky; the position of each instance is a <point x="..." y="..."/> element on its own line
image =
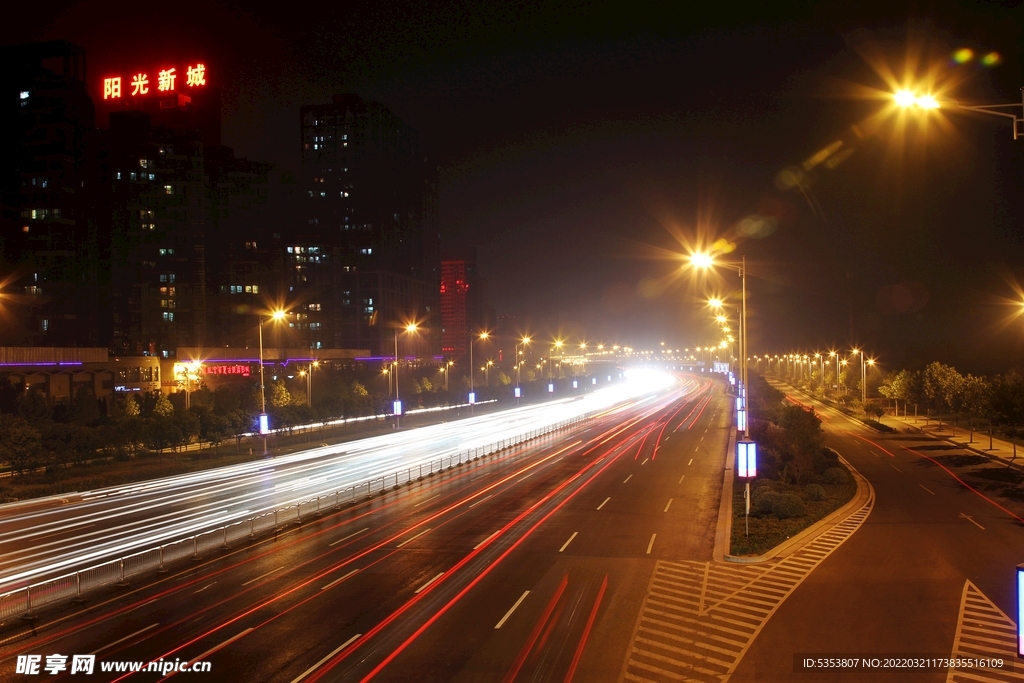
<point x="580" y="144"/>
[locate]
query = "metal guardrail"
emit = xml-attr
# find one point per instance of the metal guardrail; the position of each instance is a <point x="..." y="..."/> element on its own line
<point x="24" y="602"/>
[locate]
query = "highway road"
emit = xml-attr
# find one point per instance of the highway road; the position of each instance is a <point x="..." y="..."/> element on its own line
<point x="529" y="565"/>
<point x="53" y="536"/>
<point x="932" y="565"/>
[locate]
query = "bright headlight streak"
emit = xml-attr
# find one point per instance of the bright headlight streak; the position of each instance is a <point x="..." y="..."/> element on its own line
<point x="125" y="548"/>
<point x="270" y="488"/>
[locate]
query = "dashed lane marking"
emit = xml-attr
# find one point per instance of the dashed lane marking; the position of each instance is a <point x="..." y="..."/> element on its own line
<point x="699" y="618"/>
<point x="983" y="631"/>
<point x="651" y="544"/>
<point x="895" y="468"/>
<point x="681" y="478"/>
<point x="927" y="489"/>
<point x="688" y="464"/>
<point x="605" y="501"/>
<point x="627" y="479"/>
<point x="566" y="544"/>
<point x="667" y="504"/>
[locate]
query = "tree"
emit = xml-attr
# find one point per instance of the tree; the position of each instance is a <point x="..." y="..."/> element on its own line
<point x="279" y="395"/>
<point x="131" y="407"/>
<point x="84" y="408"/>
<point x="20" y="443"/>
<point x="977" y="398"/>
<point x="163" y="407"/>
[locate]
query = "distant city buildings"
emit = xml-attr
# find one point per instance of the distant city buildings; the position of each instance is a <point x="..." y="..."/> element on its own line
<point x="141" y="233"/>
<point x="464" y="310"/>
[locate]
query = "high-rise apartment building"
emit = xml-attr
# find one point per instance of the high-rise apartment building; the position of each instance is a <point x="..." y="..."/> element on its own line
<point x="367" y="255"/>
<point x="51" y="246"/>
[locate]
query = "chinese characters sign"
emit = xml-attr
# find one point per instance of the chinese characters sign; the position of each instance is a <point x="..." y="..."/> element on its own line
<point x="164" y="81"/>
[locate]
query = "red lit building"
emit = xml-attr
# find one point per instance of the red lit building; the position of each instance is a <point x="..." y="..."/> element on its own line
<point x="454" y="308"/>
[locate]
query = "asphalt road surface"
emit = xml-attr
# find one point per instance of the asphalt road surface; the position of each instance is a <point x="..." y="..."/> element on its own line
<point x="50" y="537"/>
<point x="898" y="584"/>
<point x="527" y="565"/>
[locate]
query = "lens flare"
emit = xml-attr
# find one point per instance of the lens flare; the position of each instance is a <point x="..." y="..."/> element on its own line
<point x="963" y="55"/>
<point x="992" y="59"/>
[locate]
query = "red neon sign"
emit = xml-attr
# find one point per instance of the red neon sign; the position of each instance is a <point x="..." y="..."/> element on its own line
<point x="243" y="370"/>
<point x="166" y="81"/>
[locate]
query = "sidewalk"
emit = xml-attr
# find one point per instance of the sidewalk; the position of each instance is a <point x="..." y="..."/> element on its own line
<point x="995" y="447"/>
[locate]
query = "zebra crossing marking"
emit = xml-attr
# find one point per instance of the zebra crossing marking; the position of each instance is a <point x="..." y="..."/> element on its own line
<point x="699" y="618"/>
<point x="983" y="631"/>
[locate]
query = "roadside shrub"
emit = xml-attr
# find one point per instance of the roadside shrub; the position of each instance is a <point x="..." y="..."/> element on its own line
<point x="835" y="476"/>
<point x="763" y="502"/>
<point x="760" y="484"/>
<point x="787" y="505"/>
<point x="814" y="492"/>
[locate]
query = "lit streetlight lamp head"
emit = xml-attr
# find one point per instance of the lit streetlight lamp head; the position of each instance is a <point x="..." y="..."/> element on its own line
<point x="278" y="315"/>
<point x="715" y="303"/>
<point x="485" y="335"/>
<point x="701" y="260"/>
<point x="411" y="327"/>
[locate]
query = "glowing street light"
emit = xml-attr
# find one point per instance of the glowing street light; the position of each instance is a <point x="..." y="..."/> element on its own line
<point x="275" y="316"/>
<point x="472" y="369"/>
<point x="908" y="99"/>
<point x="408" y="329"/>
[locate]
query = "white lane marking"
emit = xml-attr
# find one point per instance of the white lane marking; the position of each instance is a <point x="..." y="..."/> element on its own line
<point x="605" y="501"/>
<point x="702" y="438"/>
<point x="118" y="642"/>
<point x="224" y="644"/>
<point x="627" y="479"/>
<point x="529" y="475"/>
<point x="426" y="501"/>
<point x="873" y="453"/>
<point x="511" y="610"/>
<point x="681" y="478"/>
<point x="651" y="544"/>
<point x="487" y="539"/>
<point x="696" y="449"/>
<point x="410" y="540"/>
<point x="969" y="519"/>
<point x="321" y="662"/>
<point x="272" y="571"/>
<point x="895" y="468"/>
<point x="334" y="583"/>
<point x="480" y="501"/>
<point x="667" y="504"/>
<point x="566" y="544"/>
<point x="204" y="587"/>
<point x="927" y="489"/>
<point x="348" y="537"/>
<point x="688" y="464"/>
<point x="645" y="461"/>
<point x="424" y="586"/>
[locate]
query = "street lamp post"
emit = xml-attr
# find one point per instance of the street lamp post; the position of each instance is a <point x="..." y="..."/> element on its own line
<point x="519" y="364"/>
<point x="472" y="369"/>
<point x="706" y="261"/>
<point x="907" y="99"/>
<point x="264" y="422"/>
<point x="411" y="327"/>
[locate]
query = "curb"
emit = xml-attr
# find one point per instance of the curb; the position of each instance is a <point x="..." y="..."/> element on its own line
<point x="723" y="530"/>
<point x="865" y="494"/>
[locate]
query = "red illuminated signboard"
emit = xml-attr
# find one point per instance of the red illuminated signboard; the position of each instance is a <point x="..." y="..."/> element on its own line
<point x="164" y="81"/>
<point x="242" y="370"/>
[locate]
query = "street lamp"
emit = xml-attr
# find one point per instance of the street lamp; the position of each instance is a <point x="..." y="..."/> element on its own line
<point x="519" y="364"/>
<point x="487" y="373"/>
<point x="472" y="369"/>
<point x="276" y="316"/>
<point x="706" y="261"/>
<point x="411" y="327"/>
<point x="910" y="99"/>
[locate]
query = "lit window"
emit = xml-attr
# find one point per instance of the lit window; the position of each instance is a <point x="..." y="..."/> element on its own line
<point x="168" y="189"/>
<point x="44" y="324"/>
<point x="168" y="317"/>
<point x="118" y="175"/>
<point x="24" y="94"/>
<point x="366" y="250"/>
